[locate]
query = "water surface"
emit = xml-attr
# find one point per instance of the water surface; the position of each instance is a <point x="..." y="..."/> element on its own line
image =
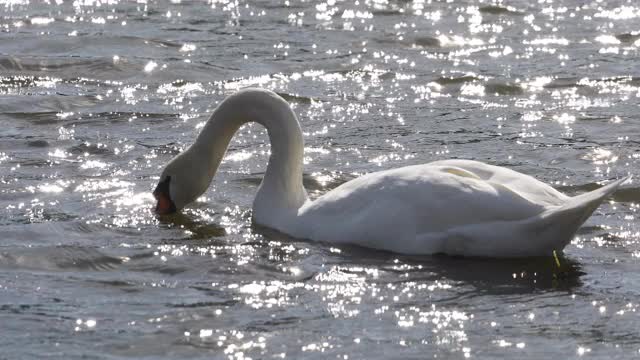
<point x="96" y="96"/>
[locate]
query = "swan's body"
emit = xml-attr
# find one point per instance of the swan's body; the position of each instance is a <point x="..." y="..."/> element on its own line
<point x="456" y="207"/>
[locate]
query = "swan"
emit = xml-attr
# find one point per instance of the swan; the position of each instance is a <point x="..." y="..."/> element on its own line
<point x="455" y="207"/>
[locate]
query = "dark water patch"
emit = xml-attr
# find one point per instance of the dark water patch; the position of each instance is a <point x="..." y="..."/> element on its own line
<point x="60" y="258"/>
<point x="36" y="215"/>
<point x="602" y="234"/>
<point x="427" y="41"/>
<point x="500" y="88"/>
<point x="635" y="81"/>
<point x="363" y="74"/>
<point x="125" y="286"/>
<point x="179" y="83"/>
<point x="37" y="313"/>
<point x="206" y="304"/>
<point x="16" y="233"/>
<point x="509" y="276"/>
<point x="387" y="12"/>
<point x="92" y="149"/>
<point x="563" y="82"/>
<point x="220" y="68"/>
<point x="35" y="163"/>
<point x="171" y="148"/>
<point x="616" y="79"/>
<point x="181" y="29"/>
<point x="469" y="140"/>
<point x="584" y="230"/>
<point x="198" y="230"/>
<point x="69" y="68"/>
<point x="488" y="275"/>
<point x="156" y="42"/>
<point x="157" y="267"/>
<point x="278" y="324"/>
<point x="16" y="308"/>
<point x="279" y="6"/>
<point x="434" y="44"/>
<point x="46" y="109"/>
<point x="387" y="41"/>
<point x="499" y="10"/>
<point x="36" y="118"/>
<point x="368" y="75"/>
<point x="453" y="80"/>
<point x="82" y="228"/>
<point x="591" y="117"/>
<point x="627" y="195"/>
<point x="117" y="117"/>
<point x="613" y="239"/>
<point x="87" y="259"/>
<point x="38" y="143"/>
<point x="196" y="21"/>
<point x="11" y="63"/>
<point x="628" y="37"/>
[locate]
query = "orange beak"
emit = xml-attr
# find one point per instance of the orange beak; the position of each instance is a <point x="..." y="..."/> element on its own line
<point x="165" y="205"/>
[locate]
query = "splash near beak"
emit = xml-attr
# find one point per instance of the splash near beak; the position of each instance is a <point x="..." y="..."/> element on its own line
<point x="165" y="205"/>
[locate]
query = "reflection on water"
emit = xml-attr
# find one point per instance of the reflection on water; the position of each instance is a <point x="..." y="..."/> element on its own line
<point x="96" y="96"/>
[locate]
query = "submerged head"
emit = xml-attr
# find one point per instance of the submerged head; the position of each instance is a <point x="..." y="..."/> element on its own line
<point x="182" y="181"/>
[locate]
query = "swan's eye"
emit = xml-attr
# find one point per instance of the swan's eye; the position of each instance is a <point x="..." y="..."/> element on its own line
<point x="165" y="204"/>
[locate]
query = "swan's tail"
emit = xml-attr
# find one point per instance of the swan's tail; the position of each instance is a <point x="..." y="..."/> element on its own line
<point x="558" y="225"/>
<point x="539" y="235"/>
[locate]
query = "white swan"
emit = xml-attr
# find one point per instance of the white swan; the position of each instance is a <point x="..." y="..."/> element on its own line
<point x="456" y="207"/>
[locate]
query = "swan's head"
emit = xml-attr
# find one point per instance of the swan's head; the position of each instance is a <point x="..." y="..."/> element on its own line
<point x="162" y="193"/>
<point x="182" y="182"/>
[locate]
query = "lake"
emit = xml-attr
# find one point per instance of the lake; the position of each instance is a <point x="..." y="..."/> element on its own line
<point x="97" y="96"/>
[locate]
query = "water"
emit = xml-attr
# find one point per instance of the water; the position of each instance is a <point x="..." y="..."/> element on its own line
<point x="96" y="96"/>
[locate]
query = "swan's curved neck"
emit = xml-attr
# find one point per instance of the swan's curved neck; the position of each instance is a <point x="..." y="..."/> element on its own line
<point x="281" y="189"/>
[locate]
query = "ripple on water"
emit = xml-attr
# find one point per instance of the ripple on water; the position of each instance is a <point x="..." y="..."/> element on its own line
<point x="62" y="258"/>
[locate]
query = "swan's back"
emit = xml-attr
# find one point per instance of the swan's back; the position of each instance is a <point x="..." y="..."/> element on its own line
<point x="525" y="185"/>
<point x="456" y="207"/>
<point x="438" y="196"/>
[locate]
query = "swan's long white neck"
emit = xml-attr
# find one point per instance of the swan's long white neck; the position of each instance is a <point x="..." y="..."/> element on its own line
<point x="281" y="192"/>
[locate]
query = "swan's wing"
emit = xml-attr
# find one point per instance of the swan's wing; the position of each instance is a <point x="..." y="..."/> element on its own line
<point x="525" y="185"/>
<point x="453" y="207"/>
<point x="400" y="203"/>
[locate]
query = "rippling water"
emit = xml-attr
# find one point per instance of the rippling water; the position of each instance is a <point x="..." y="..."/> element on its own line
<point x="96" y="96"/>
